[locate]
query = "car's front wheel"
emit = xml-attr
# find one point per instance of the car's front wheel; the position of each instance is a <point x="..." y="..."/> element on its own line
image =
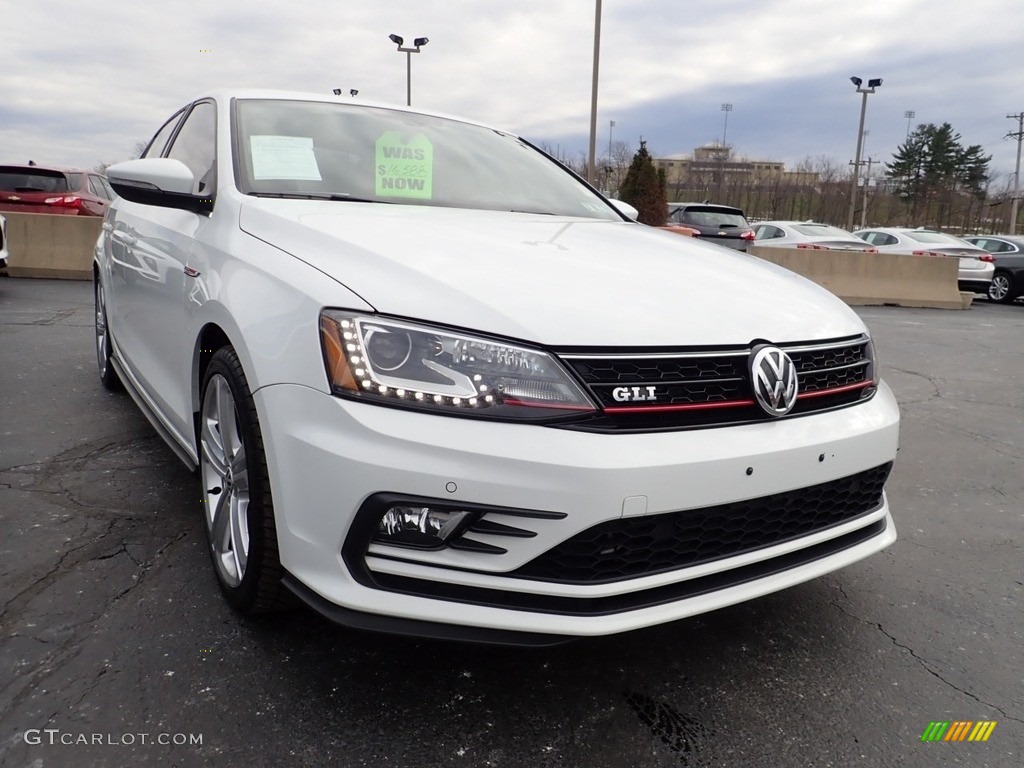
<point x="108" y="376"/>
<point x="237" y="504"/>
<point x="999" y="288"/>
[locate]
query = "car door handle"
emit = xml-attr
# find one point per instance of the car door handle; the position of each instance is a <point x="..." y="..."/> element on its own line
<point x="126" y="239"/>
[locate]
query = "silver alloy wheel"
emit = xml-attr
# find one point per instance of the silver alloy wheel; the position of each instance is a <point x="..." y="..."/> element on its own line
<point x="102" y="339"/>
<point x="225" y="475"/>
<point x="999" y="287"/>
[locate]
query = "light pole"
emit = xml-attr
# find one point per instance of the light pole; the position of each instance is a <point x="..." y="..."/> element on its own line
<point x="867" y="181"/>
<point x="608" y="168"/>
<point x="727" y="108"/>
<point x="593" y="95"/>
<point x="1019" y="136"/>
<point x="416" y="45"/>
<point x="872" y="84"/>
<point x="910" y="115"/>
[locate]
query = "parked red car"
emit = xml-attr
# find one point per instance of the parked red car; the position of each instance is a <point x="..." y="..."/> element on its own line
<point x="35" y="189"/>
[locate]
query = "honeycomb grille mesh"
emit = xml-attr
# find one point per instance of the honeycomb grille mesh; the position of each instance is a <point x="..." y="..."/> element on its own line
<point x="641" y="546"/>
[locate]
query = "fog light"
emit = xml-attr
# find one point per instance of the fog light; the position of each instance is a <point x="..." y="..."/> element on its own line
<point x="427" y="527"/>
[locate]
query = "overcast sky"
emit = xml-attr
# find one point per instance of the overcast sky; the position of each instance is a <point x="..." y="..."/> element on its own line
<point x="82" y="82"/>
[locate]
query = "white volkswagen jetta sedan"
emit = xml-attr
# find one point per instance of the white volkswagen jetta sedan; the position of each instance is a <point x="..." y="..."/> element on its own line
<point x="431" y="382"/>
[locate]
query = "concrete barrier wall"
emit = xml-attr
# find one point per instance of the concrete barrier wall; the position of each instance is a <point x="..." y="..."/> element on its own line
<point x="47" y="245"/>
<point x="875" y="278"/>
<point x="44" y="245"/>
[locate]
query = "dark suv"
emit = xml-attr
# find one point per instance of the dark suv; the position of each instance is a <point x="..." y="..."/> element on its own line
<point x="34" y="189"/>
<point x="719" y="224"/>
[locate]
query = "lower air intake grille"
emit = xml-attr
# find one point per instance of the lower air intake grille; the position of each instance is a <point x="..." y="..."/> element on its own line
<point x="641" y="546"/>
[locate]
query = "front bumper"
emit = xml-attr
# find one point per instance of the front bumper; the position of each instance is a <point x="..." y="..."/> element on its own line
<point x="328" y="456"/>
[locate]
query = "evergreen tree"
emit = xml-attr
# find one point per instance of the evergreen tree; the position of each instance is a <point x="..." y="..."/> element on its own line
<point x="933" y="163"/>
<point x="644" y="190"/>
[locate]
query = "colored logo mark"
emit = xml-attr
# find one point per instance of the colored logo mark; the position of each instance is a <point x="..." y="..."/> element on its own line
<point x="959" y="730"/>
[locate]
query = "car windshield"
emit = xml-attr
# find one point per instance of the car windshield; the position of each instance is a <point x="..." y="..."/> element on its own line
<point x="934" y="237"/>
<point x="13" y="179"/>
<point x="822" y="230"/>
<point x="372" y="154"/>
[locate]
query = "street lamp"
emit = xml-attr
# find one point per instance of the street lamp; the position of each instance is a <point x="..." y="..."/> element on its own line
<point x="910" y="115"/>
<point x="416" y="45"/>
<point x="591" y="174"/>
<point x="727" y="108"/>
<point x="872" y="84"/>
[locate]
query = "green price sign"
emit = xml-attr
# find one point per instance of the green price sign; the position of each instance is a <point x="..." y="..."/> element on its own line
<point x="405" y="166"/>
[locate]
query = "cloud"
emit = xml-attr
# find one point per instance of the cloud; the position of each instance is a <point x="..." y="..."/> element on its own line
<point x="85" y="83"/>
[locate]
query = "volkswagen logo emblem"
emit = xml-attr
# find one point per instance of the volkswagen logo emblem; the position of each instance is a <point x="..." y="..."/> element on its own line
<point x="773" y="377"/>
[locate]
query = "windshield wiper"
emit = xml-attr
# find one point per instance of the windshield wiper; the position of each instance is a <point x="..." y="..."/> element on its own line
<point x="316" y="196"/>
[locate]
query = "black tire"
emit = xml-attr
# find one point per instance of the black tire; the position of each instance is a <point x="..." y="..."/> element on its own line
<point x="245" y="562"/>
<point x="108" y="376"/>
<point x="999" y="290"/>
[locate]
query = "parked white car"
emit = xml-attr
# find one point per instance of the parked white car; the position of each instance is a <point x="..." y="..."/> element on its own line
<point x="433" y="383"/>
<point x="807" y="235"/>
<point x="976" y="265"/>
<point x="4" y="254"/>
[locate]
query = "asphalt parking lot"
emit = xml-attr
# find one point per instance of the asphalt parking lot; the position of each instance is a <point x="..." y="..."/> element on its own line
<point x="111" y="624"/>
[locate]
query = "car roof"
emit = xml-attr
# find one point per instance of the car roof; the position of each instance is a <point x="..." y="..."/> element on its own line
<point x="1018" y="239"/>
<point x="225" y="95"/>
<point x="717" y="206"/>
<point x="38" y="167"/>
<point x="801" y="223"/>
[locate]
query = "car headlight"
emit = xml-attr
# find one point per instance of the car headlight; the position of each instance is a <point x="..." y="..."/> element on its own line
<point x="394" y="362"/>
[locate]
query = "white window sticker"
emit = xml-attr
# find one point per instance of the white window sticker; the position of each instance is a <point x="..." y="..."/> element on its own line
<point x="284" y="157"/>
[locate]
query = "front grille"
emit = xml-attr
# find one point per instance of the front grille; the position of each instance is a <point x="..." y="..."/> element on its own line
<point x="677" y="390"/>
<point x="641" y="546"/>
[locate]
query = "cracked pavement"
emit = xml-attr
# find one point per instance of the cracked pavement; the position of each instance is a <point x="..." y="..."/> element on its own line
<point x="111" y="622"/>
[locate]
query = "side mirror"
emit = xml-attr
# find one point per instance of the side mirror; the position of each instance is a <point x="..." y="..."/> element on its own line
<point x="625" y="209"/>
<point x="158" y="181"/>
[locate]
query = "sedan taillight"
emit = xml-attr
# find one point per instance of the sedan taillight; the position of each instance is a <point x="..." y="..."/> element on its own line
<point x="987" y="257"/>
<point x="747" y="235"/>
<point x="66" y="201"/>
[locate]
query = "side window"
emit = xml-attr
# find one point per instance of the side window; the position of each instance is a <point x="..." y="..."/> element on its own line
<point x="111" y="194"/>
<point x="158" y="142"/>
<point x="97" y="188"/>
<point x="195" y="146"/>
<point x="76" y="182"/>
<point x="774" y="232"/>
<point x="886" y="240"/>
<point x="870" y="237"/>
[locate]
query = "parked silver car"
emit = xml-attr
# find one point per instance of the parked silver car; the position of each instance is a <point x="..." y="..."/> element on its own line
<point x="976" y="265"/>
<point x="812" y="235"/>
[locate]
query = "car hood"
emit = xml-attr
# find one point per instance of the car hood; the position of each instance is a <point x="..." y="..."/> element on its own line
<point x="557" y="281"/>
